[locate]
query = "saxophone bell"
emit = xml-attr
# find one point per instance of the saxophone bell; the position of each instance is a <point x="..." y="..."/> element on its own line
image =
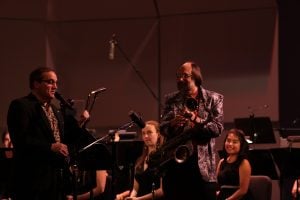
<point x="183" y="152"/>
<point x="191" y="104"/>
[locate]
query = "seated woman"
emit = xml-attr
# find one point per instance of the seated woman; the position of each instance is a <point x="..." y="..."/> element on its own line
<point x="234" y="170"/>
<point x="97" y="189"/>
<point x="146" y="185"/>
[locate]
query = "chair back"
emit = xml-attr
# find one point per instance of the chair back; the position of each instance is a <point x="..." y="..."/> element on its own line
<point x="260" y="187"/>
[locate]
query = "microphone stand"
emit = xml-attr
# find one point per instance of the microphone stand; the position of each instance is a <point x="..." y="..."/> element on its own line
<point x="153" y="191"/>
<point x="297" y="186"/>
<point x="110" y="135"/>
<point x="252" y="127"/>
<point x="88" y="107"/>
<point x="64" y="105"/>
<point x="137" y="72"/>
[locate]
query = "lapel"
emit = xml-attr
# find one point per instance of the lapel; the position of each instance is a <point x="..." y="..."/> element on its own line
<point x="44" y="120"/>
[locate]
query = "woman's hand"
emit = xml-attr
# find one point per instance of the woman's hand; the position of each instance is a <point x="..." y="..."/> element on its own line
<point x="123" y="195"/>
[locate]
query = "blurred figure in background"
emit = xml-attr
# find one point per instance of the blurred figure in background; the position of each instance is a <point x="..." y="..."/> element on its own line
<point x="6" y="166"/>
<point x="7" y="144"/>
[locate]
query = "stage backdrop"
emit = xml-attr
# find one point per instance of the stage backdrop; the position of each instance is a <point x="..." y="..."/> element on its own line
<point x="234" y="41"/>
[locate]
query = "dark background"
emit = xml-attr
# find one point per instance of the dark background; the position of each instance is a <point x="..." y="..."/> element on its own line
<point x="235" y="42"/>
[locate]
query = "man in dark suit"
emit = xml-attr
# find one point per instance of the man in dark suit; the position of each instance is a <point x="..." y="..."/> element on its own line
<point x="38" y="134"/>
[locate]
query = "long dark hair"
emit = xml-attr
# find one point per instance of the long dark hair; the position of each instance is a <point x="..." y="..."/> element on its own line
<point x="244" y="147"/>
<point x="140" y="161"/>
<point x="196" y="73"/>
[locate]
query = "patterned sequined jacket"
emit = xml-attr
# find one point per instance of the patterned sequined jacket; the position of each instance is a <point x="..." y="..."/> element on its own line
<point x="210" y="111"/>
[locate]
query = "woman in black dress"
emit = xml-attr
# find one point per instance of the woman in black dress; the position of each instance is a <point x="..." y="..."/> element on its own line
<point x="234" y="170"/>
<point x="146" y="185"/>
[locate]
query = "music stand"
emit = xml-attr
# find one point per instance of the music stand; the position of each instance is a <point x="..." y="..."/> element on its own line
<point x="262" y="163"/>
<point x="87" y="160"/>
<point x="288" y="162"/>
<point x="97" y="157"/>
<point x="118" y="156"/>
<point x="286" y="132"/>
<point x="259" y="129"/>
<point x="125" y="154"/>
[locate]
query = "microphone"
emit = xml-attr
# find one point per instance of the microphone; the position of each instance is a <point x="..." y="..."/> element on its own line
<point x="266" y="106"/>
<point x="295" y="121"/>
<point x="63" y="102"/>
<point x="136" y="119"/>
<point x="98" y="90"/>
<point x="112" y="44"/>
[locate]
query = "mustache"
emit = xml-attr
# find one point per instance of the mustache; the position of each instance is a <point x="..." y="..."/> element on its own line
<point x="182" y="85"/>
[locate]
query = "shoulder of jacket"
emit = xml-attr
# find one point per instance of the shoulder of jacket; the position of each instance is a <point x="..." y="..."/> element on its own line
<point x="212" y="94"/>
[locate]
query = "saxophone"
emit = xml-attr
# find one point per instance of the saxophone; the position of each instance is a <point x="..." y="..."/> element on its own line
<point x="178" y="148"/>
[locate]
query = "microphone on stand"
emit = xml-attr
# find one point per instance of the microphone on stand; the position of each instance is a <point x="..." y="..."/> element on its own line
<point x="63" y="102"/>
<point x="112" y="45"/>
<point x="136" y="119"/>
<point x="102" y="89"/>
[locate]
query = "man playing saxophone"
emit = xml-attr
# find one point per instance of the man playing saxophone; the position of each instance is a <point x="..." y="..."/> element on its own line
<point x="199" y="112"/>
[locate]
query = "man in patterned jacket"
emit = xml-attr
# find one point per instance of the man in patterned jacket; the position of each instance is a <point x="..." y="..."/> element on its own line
<point x="198" y="112"/>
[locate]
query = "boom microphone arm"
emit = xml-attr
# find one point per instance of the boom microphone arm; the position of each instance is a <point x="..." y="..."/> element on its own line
<point x="138" y="73"/>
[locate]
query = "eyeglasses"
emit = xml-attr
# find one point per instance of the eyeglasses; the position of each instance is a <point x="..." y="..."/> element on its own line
<point x="50" y="81"/>
<point x="184" y="75"/>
